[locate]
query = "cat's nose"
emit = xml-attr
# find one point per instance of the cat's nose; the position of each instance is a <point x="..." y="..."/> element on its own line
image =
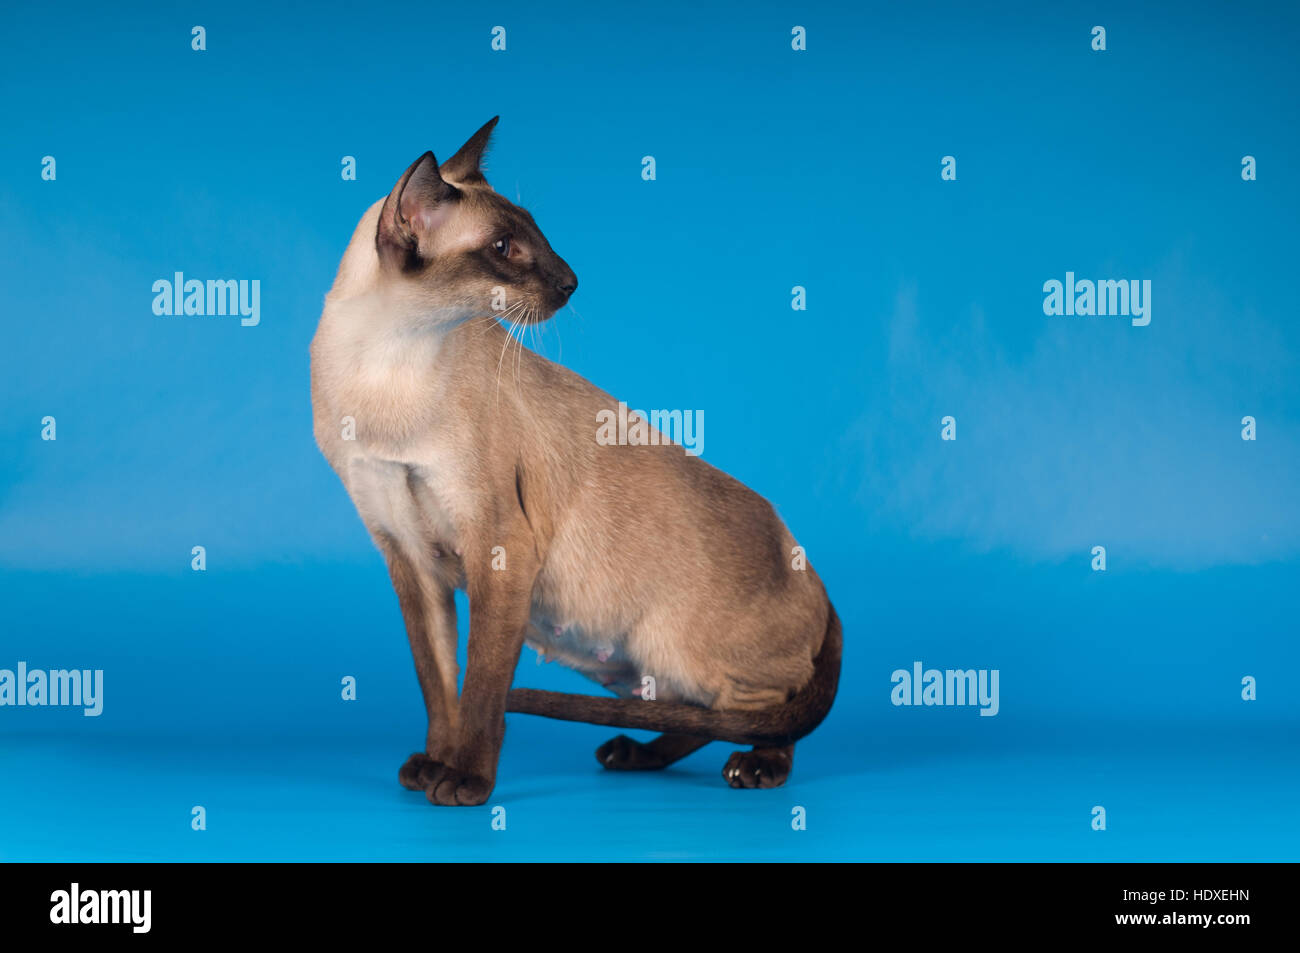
<point x="566" y="282"/>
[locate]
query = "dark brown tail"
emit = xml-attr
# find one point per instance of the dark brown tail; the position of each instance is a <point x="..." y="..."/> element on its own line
<point x="765" y="727"/>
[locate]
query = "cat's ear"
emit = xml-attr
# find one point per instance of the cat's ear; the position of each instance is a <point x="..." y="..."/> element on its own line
<point x="466" y="165"/>
<point x="418" y="204"/>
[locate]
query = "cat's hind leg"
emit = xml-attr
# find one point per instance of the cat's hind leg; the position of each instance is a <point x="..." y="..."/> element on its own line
<point x="759" y="767"/>
<point x="627" y="754"/>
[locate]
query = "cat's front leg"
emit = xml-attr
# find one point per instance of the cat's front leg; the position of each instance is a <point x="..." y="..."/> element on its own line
<point x="499" y="580"/>
<point x="429" y="611"/>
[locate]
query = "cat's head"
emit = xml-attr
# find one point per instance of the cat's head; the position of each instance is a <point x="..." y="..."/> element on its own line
<point x="456" y="244"/>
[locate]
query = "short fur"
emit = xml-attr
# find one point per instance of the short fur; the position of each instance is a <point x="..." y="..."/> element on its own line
<point x="474" y="465"/>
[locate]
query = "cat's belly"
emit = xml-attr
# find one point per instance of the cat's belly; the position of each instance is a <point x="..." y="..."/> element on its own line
<point x="586" y="618"/>
<point x="602" y="658"/>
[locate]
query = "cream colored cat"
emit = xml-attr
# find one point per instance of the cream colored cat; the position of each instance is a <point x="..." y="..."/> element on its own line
<point x="475" y="465"/>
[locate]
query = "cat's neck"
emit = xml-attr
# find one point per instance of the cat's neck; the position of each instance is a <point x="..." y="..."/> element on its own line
<point x="402" y="379"/>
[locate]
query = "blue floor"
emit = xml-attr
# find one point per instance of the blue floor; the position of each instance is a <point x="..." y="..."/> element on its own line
<point x="1180" y="794"/>
<point x="223" y="690"/>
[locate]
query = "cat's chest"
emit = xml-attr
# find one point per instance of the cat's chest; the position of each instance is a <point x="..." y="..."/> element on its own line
<point x="396" y="452"/>
<point x="411" y="503"/>
<point x="386" y="390"/>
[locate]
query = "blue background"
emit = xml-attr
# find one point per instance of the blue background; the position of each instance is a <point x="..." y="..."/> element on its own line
<point x="775" y="168"/>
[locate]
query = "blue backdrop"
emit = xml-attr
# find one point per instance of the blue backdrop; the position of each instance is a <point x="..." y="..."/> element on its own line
<point x="775" y="168"/>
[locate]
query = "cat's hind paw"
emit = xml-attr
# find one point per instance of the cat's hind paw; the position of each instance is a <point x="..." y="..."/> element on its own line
<point x="759" y="768"/>
<point x="627" y="754"/>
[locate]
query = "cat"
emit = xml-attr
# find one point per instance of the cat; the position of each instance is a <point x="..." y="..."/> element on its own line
<point x="473" y="463"/>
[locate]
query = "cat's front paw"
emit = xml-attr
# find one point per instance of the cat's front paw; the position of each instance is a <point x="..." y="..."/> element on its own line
<point x="419" y="772"/>
<point x="458" y="789"/>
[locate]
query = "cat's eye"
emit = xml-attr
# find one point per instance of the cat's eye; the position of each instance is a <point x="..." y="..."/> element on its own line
<point x="502" y="246"/>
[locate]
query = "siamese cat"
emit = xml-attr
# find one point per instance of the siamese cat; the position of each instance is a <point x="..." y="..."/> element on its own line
<point x="473" y="463"/>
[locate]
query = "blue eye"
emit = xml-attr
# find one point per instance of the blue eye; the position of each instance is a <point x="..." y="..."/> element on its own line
<point x="502" y="245"/>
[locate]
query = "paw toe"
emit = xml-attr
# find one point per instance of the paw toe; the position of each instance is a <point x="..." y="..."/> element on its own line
<point x="627" y="754"/>
<point x="409" y="774"/>
<point x="756" y="769"/>
<point x="458" y="789"/>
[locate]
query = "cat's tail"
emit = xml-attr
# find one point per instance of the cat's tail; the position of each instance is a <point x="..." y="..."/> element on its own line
<point x="772" y="727"/>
